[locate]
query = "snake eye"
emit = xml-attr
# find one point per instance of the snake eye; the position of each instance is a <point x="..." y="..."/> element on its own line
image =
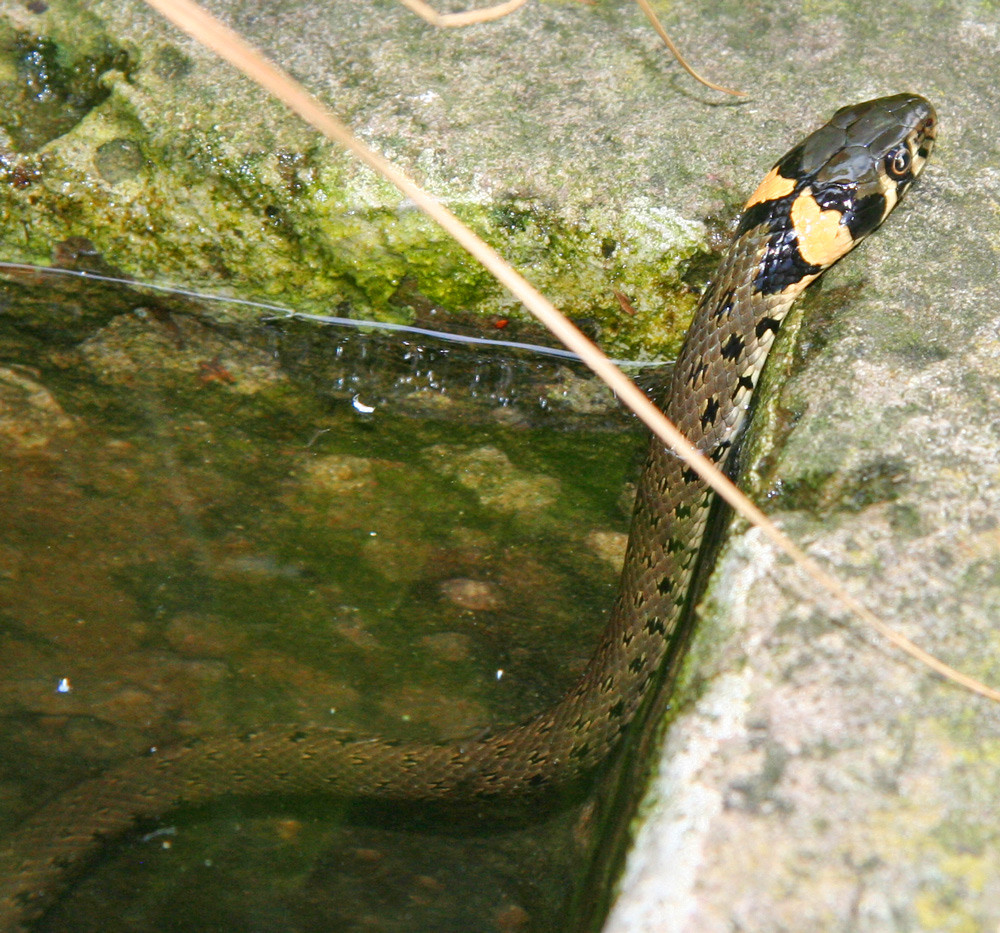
<point x="897" y="162"/>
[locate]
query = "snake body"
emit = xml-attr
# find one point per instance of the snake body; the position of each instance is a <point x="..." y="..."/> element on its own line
<point x="815" y="205"/>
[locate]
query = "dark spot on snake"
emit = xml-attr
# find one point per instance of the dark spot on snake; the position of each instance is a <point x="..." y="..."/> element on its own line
<point x="637" y="664"/>
<point x="580" y="751"/>
<point x="710" y="413"/>
<point x="764" y="325"/>
<point x="782" y="263"/>
<point x="773" y="213"/>
<point x="719" y="451"/>
<point x="665" y="586"/>
<point x="675" y="546"/>
<point x="733" y="347"/>
<point x="724" y="307"/>
<point x="617" y="710"/>
<point x="744" y="382"/>
<point x="866" y="215"/>
<point x="698" y="370"/>
<point x="683" y="511"/>
<point x="833" y="198"/>
<point x="654" y="625"/>
<point x="689" y="476"/>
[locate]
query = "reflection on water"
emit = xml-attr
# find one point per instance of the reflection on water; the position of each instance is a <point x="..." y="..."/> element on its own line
<point x="211" y="526"/>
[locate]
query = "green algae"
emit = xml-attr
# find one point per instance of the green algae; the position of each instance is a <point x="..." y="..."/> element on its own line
<point x="46" y="95"/>
<point x="275" y="215"/>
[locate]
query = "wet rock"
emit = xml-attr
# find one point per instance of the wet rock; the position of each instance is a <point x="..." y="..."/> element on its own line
<point x="118" y="160"/>
<point x="340" y="474"/>
<point x="30" y="416"/>
<point x="489" y="473"/>
<point x="450" y="717"/>
<point x="202" y="636"/>
<point x="609" y="546"/>
<point x="475" y="595"/>
<point x="448" y="646"/>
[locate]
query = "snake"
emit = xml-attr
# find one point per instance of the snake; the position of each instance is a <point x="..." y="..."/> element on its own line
<point x="815" y="205"/>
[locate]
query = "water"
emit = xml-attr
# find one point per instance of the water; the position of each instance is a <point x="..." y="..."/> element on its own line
<point x="211" y="526"/>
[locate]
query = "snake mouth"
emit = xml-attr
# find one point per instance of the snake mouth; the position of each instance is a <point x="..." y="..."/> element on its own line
<point x="919" y="120"/>
<point x="924" y="135"/>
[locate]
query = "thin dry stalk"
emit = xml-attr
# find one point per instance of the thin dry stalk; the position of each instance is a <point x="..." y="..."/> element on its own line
<point x="444" y="20"/>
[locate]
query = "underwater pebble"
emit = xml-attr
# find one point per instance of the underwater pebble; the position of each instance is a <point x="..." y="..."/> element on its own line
<point x="512" y="919"/>
<point x="429" y="883"/>
<point x="314" y="689"/>
<point x="583" y="394"/>
<point x="200" y="636"/>
<point x="358" y="635"/>
<point x="450" y="716"/>
<point x="118" y="160"/>
<point x="130" y="706"/>
<point x="448" y="646"/>
<point x="476" y="595"/>
<point x="400" y="558"/>
<point x="287" y="830"/>
<point x="488" y="472"/>
<point x="30" y="416"/>
<point x="609" y="546"/>
<point x="130" y="350"/>
<point x="340" y="474"/>
<point x="11" y="560"/>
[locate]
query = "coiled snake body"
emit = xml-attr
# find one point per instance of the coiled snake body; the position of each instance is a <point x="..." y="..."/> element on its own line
<point x="814" y="206"/>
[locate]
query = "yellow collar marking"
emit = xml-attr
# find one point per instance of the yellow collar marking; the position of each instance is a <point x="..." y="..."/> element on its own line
<point x="773" y="186"/>
<point x="822" y="237"/>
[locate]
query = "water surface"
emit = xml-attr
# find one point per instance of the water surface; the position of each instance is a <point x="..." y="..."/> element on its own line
<point x="212" y="526"/>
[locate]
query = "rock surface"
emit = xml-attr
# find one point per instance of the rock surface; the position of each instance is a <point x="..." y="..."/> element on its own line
<point x="817" y="779"/>
<point x="813" y="778"/>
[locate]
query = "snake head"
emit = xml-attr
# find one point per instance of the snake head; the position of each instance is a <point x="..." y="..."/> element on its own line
<point x="863" y="161"/>
<point x="836" y="186"/>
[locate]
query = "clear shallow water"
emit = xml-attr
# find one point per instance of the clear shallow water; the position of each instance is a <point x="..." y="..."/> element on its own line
<point x="206" y="529"/>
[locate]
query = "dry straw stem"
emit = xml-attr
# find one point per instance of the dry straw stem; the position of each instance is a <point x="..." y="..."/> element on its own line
<point x="669" y="43"/>
<point x="426" y="12"/>
<point x="201" y="25"/>
<point x="487" y="14"/>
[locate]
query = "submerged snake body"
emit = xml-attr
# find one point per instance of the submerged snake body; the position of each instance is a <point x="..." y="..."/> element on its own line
<point x="815" y="205"/>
